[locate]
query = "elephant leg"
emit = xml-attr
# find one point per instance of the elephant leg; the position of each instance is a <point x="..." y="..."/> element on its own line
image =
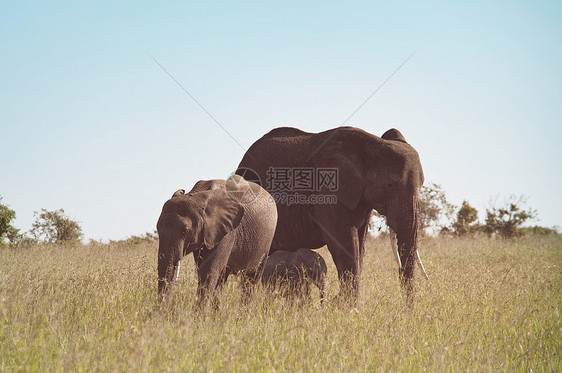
<point x="259" y="273"/>
<point x="211" y="267"/>
<point x="317" y="280"/>
<point x="307" y="288"/>
<point x="292" y="289"/>
<point x="321" y="286"/>
<point x="249" y="281"/>
<point x="222" y="279"/>
<point x="206" y="287"/>
<point x="306" y="278"/>
<point x="345" y="242"/>
<point x="362" y="237"/>
<point x="215" y="302"/>
<point x="252" y="278"/>
<point x="345" y="249"/>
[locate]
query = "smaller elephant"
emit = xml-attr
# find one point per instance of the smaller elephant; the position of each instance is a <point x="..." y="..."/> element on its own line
<point x="228" y="225"/>
<point x="294" y="271"/>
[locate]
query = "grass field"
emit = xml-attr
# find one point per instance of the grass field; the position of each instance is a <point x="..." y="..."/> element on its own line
<point x="490" y="305"/>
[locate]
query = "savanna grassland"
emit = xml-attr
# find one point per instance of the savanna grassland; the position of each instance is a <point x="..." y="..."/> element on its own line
<point x="490" y="305"/>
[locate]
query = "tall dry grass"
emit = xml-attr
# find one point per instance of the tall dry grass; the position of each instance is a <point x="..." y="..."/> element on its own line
<point x="490" y="305"/>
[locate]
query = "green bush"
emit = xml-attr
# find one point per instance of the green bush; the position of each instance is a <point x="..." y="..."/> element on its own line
<point x="466" y="220"/>
<point x="55" y="227"/>
<point x="8" y="233"/>
<point x="539" y="231"/>
<point x="506" y="220"/>
<point x="435" y="210"/>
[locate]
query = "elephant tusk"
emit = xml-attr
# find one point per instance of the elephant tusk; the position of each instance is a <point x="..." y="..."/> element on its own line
<point x="418" y="259"/>
<point x="394" y="245"/>
<point x="177" y="272"/>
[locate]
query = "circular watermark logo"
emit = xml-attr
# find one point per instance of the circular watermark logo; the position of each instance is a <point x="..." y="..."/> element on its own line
<point x="241" y="189"/>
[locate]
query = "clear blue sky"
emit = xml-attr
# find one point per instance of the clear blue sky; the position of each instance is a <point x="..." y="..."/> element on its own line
<point x="90" y="123"/>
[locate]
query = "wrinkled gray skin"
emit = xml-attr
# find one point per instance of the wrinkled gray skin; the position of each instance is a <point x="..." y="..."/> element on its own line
<point x="294" y="271"/>
<point x="381" y="173"/>
<point x="227" y="225"/>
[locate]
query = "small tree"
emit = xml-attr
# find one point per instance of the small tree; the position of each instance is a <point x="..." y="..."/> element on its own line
<point x="434" y="207"/>
<point x="7" y="230"/>
<point x="507" y="220"/>
<point x="466" y="221"/>
<point x="55" y="227"/>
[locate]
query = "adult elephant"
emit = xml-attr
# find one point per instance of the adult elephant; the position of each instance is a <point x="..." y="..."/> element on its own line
<point x="327" y="184"/>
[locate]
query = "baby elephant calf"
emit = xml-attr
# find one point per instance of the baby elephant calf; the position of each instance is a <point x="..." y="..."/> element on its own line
<point x="294" y="271"/>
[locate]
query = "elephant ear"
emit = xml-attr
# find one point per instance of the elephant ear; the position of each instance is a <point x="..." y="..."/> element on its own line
<point x="222" y="215"/>
<point x="395" y="135"/>
<point x="179" y="192"/>
<point x="344" y="150"/>
<point x="203" y="185"/>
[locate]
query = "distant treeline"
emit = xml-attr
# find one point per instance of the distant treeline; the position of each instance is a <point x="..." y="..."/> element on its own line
<point x="437" y="217"/>
<point x="505" y="220"/>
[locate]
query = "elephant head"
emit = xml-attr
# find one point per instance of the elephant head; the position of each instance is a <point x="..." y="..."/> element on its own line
<point x="190" y="222"/>
<point x="405" y="248"/>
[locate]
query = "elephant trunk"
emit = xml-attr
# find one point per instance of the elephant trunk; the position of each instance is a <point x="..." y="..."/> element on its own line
<point x="168" y="268"/>
<point x="394" y="246"/>
<point x="407" y="243"/>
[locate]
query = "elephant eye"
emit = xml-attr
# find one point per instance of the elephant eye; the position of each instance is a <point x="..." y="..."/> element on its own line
<point x="186" y="231"/>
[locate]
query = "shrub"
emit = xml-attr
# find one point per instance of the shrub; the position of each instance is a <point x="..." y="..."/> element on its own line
<point x="7" y="230"/>
<point x="55" y="227"/>
<point x="466" y="221"/>
<point x="435" y="210"/>
<point x="148" y="237"/>
<point x="505" y="221"/>
<point x="539" y="231"/>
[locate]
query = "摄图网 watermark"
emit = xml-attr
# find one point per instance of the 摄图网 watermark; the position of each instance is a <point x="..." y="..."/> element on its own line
<point x="296" y="185"/>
